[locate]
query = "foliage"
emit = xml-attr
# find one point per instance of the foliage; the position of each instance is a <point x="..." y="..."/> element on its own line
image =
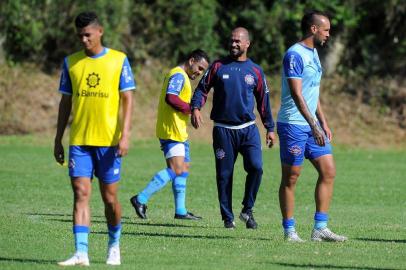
<point x="42" y="30"/>
<point x="169" y="30"/>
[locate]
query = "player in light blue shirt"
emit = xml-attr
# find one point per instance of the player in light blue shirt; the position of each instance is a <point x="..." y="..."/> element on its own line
<point x="302" y="63"/>
<point x="303" y="130"/>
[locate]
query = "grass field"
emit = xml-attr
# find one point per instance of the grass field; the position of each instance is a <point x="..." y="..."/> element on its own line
<point x="369" y="207"/>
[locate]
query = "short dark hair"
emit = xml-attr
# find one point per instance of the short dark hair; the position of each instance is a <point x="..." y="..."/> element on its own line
<point x="309" y="19"/>
<point x="198" y="55"/>
<point x="86" y="18"/>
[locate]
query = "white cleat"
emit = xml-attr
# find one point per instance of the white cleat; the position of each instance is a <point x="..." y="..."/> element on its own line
<point x="79" y="258"/>
<point x="293" y="237"/>
<point x="325" y="234"/>
<point x="113" y="255"/>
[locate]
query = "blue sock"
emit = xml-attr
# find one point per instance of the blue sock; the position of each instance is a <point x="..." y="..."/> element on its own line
<point x="179" y="192"/>
<point x="289" y="225"/>
<point x="157" y="182"/>
<point x="320" y="220"/>
<point x="114" y="234"/>
<point x="81" y="234"/>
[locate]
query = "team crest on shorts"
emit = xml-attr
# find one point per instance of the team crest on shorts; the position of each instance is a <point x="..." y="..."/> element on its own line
<point x="220" y="154"/>
<point x="295" y="150"/>
<point x="249" y="79"/>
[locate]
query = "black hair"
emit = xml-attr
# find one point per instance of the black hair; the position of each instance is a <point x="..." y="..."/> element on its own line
<point x="198" y="55"/>
<point x="309" y="19"/>
<point x="86" y="18"/>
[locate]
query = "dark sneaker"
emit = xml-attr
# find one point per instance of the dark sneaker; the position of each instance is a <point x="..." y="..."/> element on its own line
<point x="248" y="218"/>
<point x="140" y="209"/>
<point x="188" y="216"/>
<point x="229" y="224"/>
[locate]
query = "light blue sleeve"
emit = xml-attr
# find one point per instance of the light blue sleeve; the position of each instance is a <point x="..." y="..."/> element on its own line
<point x="175" y="84"/>
<point x="65" y="84"/>
<point x="127" y="81"/>
<point x="293" y="65"/>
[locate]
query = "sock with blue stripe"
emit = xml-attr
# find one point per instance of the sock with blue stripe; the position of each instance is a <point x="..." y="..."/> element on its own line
<point x="157" y="183"/>
<point x="179" y="192"/>
<point x="320" y="220"/>
<point x="114" y="234"/>
<point x="288" y="225"/>
<point x="81" y="235"/>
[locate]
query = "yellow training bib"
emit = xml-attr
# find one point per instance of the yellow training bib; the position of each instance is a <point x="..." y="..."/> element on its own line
<point x="171" y="124"/>
<point x="95" y="98"/>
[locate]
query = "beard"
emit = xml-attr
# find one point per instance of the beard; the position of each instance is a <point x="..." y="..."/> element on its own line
<point x="235" y="53"/>
<point x="320" y="42"/>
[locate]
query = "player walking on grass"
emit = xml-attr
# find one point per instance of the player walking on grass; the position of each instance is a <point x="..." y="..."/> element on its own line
<point x="237" y="83"/>
<point x="173" y="116"/>
<point x="302" y="128"/>
<point x="94" y="82"/>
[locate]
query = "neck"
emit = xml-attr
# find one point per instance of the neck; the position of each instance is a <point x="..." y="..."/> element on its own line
<point x="94" y="51"/>
<point x="308" y="42"/>
<point x="241" y="58"/>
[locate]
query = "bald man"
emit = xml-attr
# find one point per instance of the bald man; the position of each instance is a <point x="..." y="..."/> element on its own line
<point x="238" y="83"/>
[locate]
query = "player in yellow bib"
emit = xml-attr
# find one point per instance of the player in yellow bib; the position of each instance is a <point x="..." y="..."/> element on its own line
<point x="173" y="116"/>
<point x="94" y="82"/>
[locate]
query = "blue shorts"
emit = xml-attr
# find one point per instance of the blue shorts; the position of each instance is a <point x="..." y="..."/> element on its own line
<point x="175" y="149"/>
<point x="297" y="142"/>
<point x="103" y="162"/>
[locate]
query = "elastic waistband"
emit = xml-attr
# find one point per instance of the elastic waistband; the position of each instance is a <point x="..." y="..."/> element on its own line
<point x="234" y="127"/>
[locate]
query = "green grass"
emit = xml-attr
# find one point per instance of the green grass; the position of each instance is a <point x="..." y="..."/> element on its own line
<point x="369" y="207"/>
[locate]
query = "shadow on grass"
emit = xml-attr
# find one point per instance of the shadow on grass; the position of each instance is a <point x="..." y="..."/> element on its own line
<point x="382" y="240"/>
<point x="38" y="261"/>
<point x="170" y="225"/>
<point x="68" y="218"/>
<point x="182" y="236"/>
<point x="21" y="260"/>
<point x="63" y="215"/>
<point x="329" y="266"/>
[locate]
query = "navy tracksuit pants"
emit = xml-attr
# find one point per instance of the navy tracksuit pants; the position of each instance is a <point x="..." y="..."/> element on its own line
<point x="227" y="143"/>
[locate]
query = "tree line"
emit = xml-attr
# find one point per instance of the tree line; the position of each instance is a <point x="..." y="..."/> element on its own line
<point x="367" y="37"/>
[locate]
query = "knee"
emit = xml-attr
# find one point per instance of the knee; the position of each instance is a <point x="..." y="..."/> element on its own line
<point x="178" y="170"/>
<point x="328" y="174"/>
<point x="81" y="194"/>
<point x="255" y="167"/>
<point x="109" y="199"/>
<point x="290" y="180"/>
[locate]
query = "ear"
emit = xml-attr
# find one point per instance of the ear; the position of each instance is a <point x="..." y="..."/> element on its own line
<point x="313" y="28"/>
<point x="248" y="43"/>
<point x="101" y="31"/>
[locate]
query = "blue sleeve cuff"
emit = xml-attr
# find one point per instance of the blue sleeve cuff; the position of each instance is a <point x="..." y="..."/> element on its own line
<point x="127" y="81"/>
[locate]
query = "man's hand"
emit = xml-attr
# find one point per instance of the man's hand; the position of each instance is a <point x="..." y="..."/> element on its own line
<point x="318" y="134"/>
<point x="123" y="146"/>
<point x="270" y="139"/>
<point x="328" y="132"/>
<point x="196" y="118"/>
<point x="59" y="153"/>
